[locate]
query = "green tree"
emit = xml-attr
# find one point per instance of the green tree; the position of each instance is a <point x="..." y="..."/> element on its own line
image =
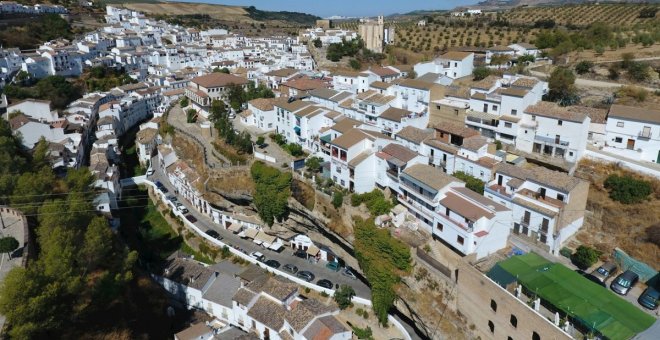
<point x="480" y="72"/>
<point x="343" y="296"/>
<point x="355" y="64"/>
<point x="97" y="243"/>
<point x="261" y="140"/>
<point x="236" y="96"/>
<point x="184" y="102"/>
<point x="627" y="59"/>
<point x="317" y="43"/>
<point x="585" y="257"/>
<point x="584" y="66"/>
<point x="294" y="149"/>
<point x="8" y="244"/>
<point x="638" y="71"/>
<point x="314" y="163"/>
<point x="191" y="116"/>
<point x="628" y="190"/>
<point x="562" y="86"/>
<point x="272" y="192"/>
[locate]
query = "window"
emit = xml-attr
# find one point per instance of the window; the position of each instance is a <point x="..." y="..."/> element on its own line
<point x="494" y="107"/>
<point x="514" y="112"/>
<point x="342" y="183"/>
<point x="619" y="124"/>
<point x="514" y="321"/>
<point x="507" y="125"/>
<point x="536" y="336"/>
<point x="618" y="140"/>
<point x="439" y="226"/>
<point x="533" y="117"/>
<point x="509" y="338"/>
<point x="447" y="211"/>
<point x="559" y="122"/>
<point x="460" y="240"/>
<point x="491" y="326"/>
<point x="456" y="112"/>
<point x="493" y="305"/>
<point x="560" y="197"/>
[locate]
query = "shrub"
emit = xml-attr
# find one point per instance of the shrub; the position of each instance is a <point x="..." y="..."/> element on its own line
<point x="294" y="149"/>
<point x="653" y="234"/>
<point x="637" y="93"/>
<point x="337" y="199"/>
<point x="261" y="140"/>
<point x="627" y="190"/>
<point x="480" y="72"/>
<point x="584" y="67"/>
<point x="638" y="71"/>
<point x="272" y="191"/>
<point x="184" y="102"/>
<point x="355" y="64"/>
<point x="585" y="257"/>
<point x="374" y="200"/>
<point x="471" y="182"/>
<point x="566" y="252"/>
<point x="343" y="296"/>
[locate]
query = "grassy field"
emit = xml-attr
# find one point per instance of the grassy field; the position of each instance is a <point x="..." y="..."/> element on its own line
<point x="584" y="15"/>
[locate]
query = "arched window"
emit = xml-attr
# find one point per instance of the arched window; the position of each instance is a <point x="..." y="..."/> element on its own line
<point x="536" y="336"/>
<point x="514" y="321"/>
<point x="491" y="325"/>
<point x="493" y="305"/>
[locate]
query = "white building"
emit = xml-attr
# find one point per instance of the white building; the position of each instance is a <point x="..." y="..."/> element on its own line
<point x="453" y="64"/>
<point x="633" y="132"/>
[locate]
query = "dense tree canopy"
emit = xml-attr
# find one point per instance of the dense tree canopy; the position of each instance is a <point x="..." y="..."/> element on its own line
<point x="54" y="88"/>
<point x="562" y="87"/>
<point x="272" y="192"/>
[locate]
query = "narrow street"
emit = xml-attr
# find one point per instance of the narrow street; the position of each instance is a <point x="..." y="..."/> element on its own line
<point x="283" y="257"/>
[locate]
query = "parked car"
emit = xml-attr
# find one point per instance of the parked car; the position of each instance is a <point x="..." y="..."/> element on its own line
<point x="182" y="209"/>
<point x="258" y="256"/>
<point x="289" y="268"/>
<point x="172" y="198"/>
<point x="191" y="218"/>
<point x="334" y="266"/>
<point x="622" y="284"/>
<point x="272" y="263"/>
<point x="301" y="254"/>
<point x="348" y="272"/>
<point x="649" y="298"/>
<point x="161" y="187"/>
<point x="305" y="275"/>
<point x="150" y="172"/>
<point x="604" y="272"/>
<point x="325" y="283"/>
<point x="213" y="234"/>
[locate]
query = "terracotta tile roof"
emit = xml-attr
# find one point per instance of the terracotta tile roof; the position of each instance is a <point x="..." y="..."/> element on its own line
<point x="282" y="73"/>
<point x="464" y="207"/>
<point x="415" y="84"/>
<point x="598" y="116"/>
<point x="305" y="84"/>
<point x="431" y="176"/>
<point x="323" y="93"/>
<point x="458" y="92"/>
<point x="455" y="129"/>
<point x="219" y="80"/>
<point x="513" y="92"/>
<point x="483" y="200"/>
<point x="399" y="152"/>
<point x="635" y="113"/>
<point x="263" y="104"/>
<point x="147" y="135"/>
<point x="395" y="114"/>
<point x="349" y="138"/>
<point x="455" y="55"/>
<point x="526" y="82"/>
<point x="474" y="143"/>
<point x="267" y="312"/>
<point x="384" y="71"/>
<point x="357" y="160"/>
<point x="293" y="106"/>
<point x="414" y="134"/>
<point x="18" y="121"/>
<point x="552" y="110"/>
<point x="541" y="175"/>
<point x="275" y="286"/>
<point x="486" y="83"/>
<point x="304" y="312"/>
<point x="448" y="148"/>
<point x="380" y="85"/>
<point x="500" y="48"/>
<point x="324" y="328"/>
<point x="345" y="124"/>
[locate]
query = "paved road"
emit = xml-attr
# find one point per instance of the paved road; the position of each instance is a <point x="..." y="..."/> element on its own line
<point x="13" y="226"/>
<point x="283" y="257"/>
<point x="590" y="82"/>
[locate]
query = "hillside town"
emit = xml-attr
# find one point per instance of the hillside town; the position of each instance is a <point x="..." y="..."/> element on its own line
<point x="481" y="171"/>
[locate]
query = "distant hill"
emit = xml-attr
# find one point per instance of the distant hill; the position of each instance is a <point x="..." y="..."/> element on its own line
<point x="223" y="13"/>
<point x="502" y="4"/>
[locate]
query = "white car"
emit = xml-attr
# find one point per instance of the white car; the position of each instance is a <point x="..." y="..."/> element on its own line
<point x="258" y="256"/>
<point x="181" y="208"/>
<point x="150" y="172"/>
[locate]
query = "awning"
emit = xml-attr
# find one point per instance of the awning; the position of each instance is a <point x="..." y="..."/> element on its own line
<point x="265" y="238"/>
<point x="234" y="227"/>
<point x="296" y="129"/>
<point x="313" y="250"/>
<point x="251" y="233"/>
<point x="276" y="246"/>
<point x="326" y="138"/>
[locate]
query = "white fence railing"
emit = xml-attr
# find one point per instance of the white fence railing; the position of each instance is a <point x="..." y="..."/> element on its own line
<point x="262" y="156"/>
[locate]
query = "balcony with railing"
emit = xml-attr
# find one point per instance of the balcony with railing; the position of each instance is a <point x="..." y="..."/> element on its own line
<point x="408" y="201"/>
<point x="393" y="174"/>
<point x="550" y="140"/>
<point x="541" y="198"/>
<point x="498" y="190"/>
<point x="465" y="226"/>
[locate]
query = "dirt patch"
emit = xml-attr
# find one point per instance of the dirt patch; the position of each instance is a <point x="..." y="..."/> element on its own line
<point x="236" y="181"/>
<point x="303" y="193"/>
<point x="609" y="224"/>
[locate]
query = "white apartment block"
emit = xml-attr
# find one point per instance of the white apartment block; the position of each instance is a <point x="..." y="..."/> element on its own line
<point x="453" y="64"/>
<point x="548" y="206"/>
<point x="214" y="86"/>
<point x="633" y="132"/>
